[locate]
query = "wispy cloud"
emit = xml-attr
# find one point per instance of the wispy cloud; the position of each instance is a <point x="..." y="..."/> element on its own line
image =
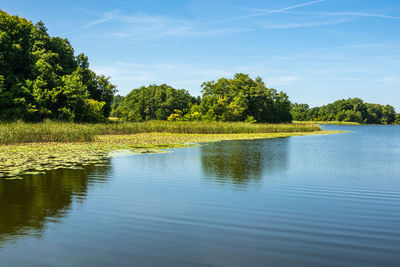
<point x="108" y="16"/>
<point x="129" y="75"/>
<point x="391" y="79"/>
<point x="139" y="27"/>
<point x="147" y="27"/>
<point x="266" y="12"/>
<point x="133" y="75"/>
<point x="345" y="14"/>
<point x="304" y="24"/>
<point x="269" y="11"/>
<point x="282" y="80"/>
<point x="261" y="12"/>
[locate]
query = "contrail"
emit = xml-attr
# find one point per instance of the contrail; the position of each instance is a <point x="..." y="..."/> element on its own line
<point x="266" y="12"/>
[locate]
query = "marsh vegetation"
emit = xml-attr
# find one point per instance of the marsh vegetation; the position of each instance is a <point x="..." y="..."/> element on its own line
<point x="21" y="132"/>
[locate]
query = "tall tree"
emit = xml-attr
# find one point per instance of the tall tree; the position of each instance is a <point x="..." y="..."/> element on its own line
<point x="154" y="102"/>
<point x="41" y="78"/>
<point x="242" y="98"/>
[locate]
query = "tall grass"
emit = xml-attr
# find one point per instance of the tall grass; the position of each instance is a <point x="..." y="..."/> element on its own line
<point x="20" y="132"/>
<point x="199" y="127"/>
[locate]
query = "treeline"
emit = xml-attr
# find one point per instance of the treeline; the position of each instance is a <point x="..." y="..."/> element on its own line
<point x="238" y="99"/>
<point x="347" y="110"/>
<point x="41" y="78"/>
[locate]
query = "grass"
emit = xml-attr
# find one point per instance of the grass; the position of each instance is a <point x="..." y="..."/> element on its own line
<point x="20" y="132"/>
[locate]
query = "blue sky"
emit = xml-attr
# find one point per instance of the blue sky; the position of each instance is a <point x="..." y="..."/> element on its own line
<point x="316" y="51"/>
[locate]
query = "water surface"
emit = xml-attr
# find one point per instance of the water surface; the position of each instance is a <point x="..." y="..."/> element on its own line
<point x="311" y="200"/>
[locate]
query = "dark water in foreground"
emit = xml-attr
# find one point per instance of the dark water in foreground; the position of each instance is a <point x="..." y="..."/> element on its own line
<point x="314" y="200"/>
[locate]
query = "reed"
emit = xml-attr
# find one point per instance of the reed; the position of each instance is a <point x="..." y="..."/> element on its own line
<point x="21" y="132"/>
<point x="50" y="131"/>
<point x="199" y="127"/>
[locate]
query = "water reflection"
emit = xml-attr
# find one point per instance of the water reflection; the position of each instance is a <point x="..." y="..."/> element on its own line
<point x="27" y="205"/>
<point x="241" y="162"/>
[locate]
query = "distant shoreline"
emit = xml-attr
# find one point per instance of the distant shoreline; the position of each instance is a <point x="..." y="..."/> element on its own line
<point x="340" y="123"/>
<point x="330" y="122"/>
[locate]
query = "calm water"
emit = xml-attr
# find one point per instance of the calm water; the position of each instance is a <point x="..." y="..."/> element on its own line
<point x="314" y="200"/>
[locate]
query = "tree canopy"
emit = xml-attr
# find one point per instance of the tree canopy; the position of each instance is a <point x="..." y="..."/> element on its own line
<point x="237" y="99"/>
<point x="243" y="99"/>
<point x="40" y="77"/>
<point x="154" y="102"/>
<point x="349" y="110"/>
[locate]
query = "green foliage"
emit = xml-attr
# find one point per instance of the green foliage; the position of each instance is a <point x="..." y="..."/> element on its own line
<point x="300" y="112"/>
<point x="117" y="100"/>
<point x="241" y="98"/>
<point x="155" y="102"/>
<point x="41" y="78"/>
<point x="95" y="111"/>
<point x="397" y="118"/>
<point x="237" y="99"/>
<point x="346" y="110"/>
<point x="176" y="116"/>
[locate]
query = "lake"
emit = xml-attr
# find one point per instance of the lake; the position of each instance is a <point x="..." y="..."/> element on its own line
<point x="310" y="200"/>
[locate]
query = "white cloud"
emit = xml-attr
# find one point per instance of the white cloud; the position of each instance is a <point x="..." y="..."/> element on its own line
<point x="282" y="80"/>
<point x="391" y="79"/>
<point x="304" y="24"/>
<point x="133" y="75"/>
<point x="108" y="16"/>
<point x="262" y="12"/>
<point x="147" y="27"/>
<point x="350" y="14"/>
<point x="349" y="79"/>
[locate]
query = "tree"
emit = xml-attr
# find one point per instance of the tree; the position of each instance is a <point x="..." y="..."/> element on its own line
<point x="117" y="100"/>
<point x="154" y="102"/>
<point x="41" y="78"/>
<point x="300" y="112"/>
<point x="243" y="98"/>
<point x="397" y="121"/>
<point x="351" y="110"/>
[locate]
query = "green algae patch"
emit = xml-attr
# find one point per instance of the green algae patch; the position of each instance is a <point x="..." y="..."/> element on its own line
<point x="37" y="158"/>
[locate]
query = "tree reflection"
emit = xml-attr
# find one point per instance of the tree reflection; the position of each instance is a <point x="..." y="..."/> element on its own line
<point x="27" y="205"/>
<point x="240" y="162"/>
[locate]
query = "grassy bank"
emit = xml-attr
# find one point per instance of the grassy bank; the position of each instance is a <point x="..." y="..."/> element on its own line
<point x="20" y="132"/>
<point x="36" y="158"/>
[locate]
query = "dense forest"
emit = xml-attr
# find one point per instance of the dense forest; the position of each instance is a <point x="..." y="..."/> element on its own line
<point x="154" y="102"/>
<point x="41" y="78"/>
<point x="348" y="110"/>
<point x="238" y="99"/>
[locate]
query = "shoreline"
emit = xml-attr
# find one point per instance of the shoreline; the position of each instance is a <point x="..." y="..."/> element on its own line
<point x="36" y="158"/>
<point x="342" y="123"/>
